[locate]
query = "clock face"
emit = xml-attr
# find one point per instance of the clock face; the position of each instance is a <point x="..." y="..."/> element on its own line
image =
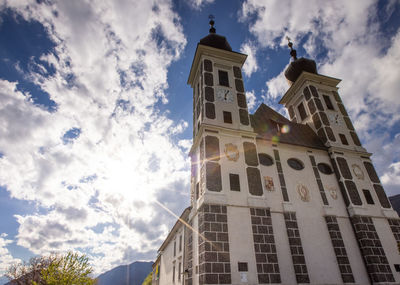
<point x="224" y="95"/>
<point x="335" y="119"/>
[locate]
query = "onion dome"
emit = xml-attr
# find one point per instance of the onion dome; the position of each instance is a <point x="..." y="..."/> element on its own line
<point x="214" y="40"/>
<point x="298" y="65"/>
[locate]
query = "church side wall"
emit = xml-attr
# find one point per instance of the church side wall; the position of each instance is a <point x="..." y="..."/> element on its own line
<point x="169" y="262"/>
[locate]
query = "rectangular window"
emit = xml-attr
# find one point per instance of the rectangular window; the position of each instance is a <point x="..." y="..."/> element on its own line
<point x="223" y="78"/>
<point x="242" y="266"/>
<point x="173" y="273"/>
<point x="328" y="102"/>
<point x="180" y="243"/>
<point x="397" y="266"/>
<point x="368" y="197"/>
<point x="227" y="117"/>
<point x="175" y="248"/>
<point x="302" y="111"/>
<point x="197" y="191"/>
<point x="234" y="181"/>
<point x="343" y="139"/>
<point x="179" y="271"/>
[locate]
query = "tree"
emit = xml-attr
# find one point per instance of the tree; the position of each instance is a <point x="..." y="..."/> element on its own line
<point x="148" y="279"/>
<point x="69" y="269"/>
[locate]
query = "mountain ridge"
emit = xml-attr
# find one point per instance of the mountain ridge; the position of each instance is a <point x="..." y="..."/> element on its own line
<point x="120" y="275"/>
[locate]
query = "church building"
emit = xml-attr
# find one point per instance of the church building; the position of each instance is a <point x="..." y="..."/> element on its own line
<point x="277" y="200"/>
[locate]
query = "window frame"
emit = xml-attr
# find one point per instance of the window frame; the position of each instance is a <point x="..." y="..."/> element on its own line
<point x="300" y="111"/>
<point x="343" y="139"/>
<point x="328" y="102"/>
<point x="227" y="115"/>
<point x="368" y="197"/>
<point x="221" y="79"/>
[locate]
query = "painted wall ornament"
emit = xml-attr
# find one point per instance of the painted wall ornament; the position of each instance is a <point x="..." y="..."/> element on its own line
<point x="269" y="183"/>
<point x="231" y="152"/>
<point x="333" y="192"/>
<point x="358" y="171"/>
<point x="303" y="192"/>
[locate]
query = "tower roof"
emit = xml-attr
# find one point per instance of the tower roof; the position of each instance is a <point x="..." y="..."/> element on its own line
<point x="214" y="40"/>
<point x="298" y="65"/>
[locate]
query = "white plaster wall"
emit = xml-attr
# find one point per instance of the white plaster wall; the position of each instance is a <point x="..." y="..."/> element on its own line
<point x="389" y="244"/>
<point x="283" y="250"/>
<point x="318" y="250"/>
<point x="241" y="244"/>
<point x="168" y="260"/>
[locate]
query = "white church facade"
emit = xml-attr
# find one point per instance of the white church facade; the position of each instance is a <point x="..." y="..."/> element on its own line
<point x="273" y="200"/>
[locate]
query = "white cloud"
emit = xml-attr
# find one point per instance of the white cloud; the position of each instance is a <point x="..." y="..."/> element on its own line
<point x="250" y="65"/>
<point x="96" y="190"/>
<point x="392" y="177"/>
<point x="251" y="100"/>
<point x="357" y="51"/>
<point x="198" y="4"/>
<point x="276" y="87"/>
<point x="6" y="259"/>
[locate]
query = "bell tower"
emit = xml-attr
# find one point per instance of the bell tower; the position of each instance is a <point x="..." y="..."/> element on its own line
<point x="313" y="99"/>
<point x="225" y="171"/>
<point x="219" y="109"/>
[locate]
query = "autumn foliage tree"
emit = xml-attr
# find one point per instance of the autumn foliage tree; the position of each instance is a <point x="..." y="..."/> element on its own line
<point x="69" y="269"/>
<point x="148" y="279"/>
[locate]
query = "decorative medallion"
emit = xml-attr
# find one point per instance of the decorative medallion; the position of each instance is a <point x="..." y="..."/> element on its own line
<point x="231" y="152"/>
<point x="358" y="171"/>
<point x="303" y="192"/>
<point x="269" y="183"/>
<point x="333" y="192"/>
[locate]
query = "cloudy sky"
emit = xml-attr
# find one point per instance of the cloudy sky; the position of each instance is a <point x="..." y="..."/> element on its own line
<point x="95" y="113"/>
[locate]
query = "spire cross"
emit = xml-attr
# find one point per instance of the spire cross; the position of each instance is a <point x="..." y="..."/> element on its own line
<point x="212" y="29"/>
<point x="293" y="52"/>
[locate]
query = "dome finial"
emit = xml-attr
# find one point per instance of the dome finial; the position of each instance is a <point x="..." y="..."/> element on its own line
<point x="293" y="52"/>
<point x="212" y="29"/>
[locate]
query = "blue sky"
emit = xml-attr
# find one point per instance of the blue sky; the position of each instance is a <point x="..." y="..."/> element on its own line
<point x="96" y="115"/>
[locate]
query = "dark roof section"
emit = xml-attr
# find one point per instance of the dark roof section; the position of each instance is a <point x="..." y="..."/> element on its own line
<point x="297" y="66"/>
<point x="267" y="124"/>
<point x="395" y="201"/>
<point x="216" y="41"/>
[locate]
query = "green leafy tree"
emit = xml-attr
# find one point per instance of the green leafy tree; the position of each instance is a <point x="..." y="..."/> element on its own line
<point x="69" y="269"/>
<point x="147" y="281"/>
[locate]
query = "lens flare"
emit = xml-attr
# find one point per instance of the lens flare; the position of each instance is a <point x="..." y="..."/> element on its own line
<point x="275" y="139"/>
<point x="285" y="129"/>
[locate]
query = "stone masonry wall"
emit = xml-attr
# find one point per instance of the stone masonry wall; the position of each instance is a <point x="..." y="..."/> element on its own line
<point x="395" y="227"/>
<point x="340" y="250"/>
<point x="214" y="258"/>
<point x="296" y="248"/>
<point x="264" y="246"/>
<point x="375" y="258"/>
